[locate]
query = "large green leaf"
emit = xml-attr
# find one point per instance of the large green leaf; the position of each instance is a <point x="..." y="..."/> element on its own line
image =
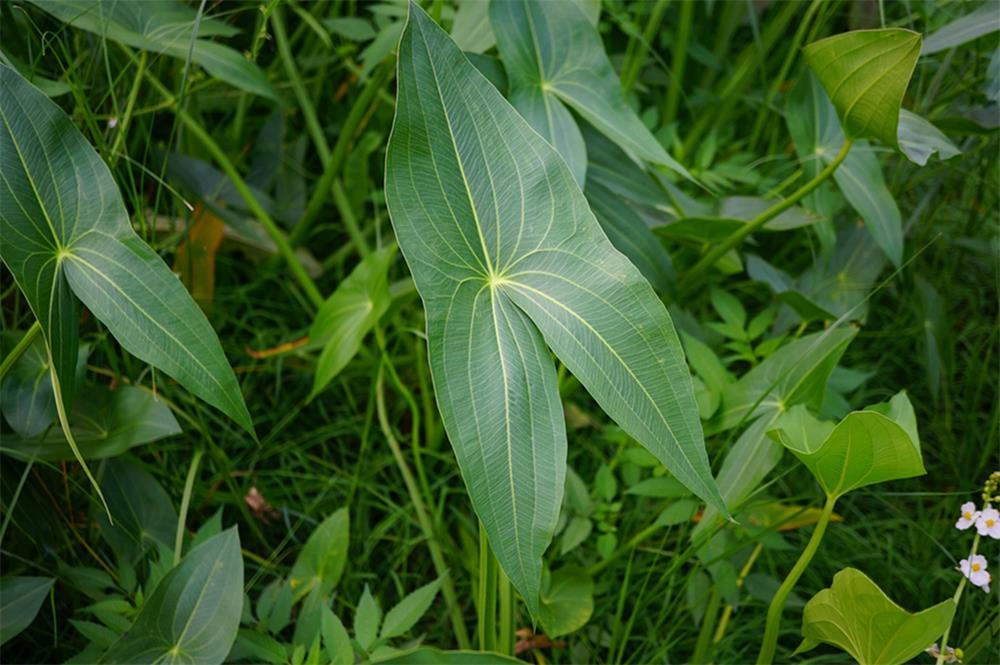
<point x="866" y="73"/>
<point x="554" y="58"/>
<point x="20" y="599"/>
<point x="818" y="137"/>
<point x="866" y="447"/>
<point x="68" y="236"/>
<point x="165" y="26"/>
<point x="323" y="557"/>
<point x="194" y="613"/>
<point x="508" y="257"/>
<point x="104" y="423"/>
<point x="856" y="615"/>
<point x="567" y="600"/>
<point x="142" y="510"/>
<point x="347" y="315"/>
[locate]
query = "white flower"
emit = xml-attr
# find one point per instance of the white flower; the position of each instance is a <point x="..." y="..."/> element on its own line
<point x="988" y="523"/>
<point x="975" y="569"/>
<point x="969" y="516"/>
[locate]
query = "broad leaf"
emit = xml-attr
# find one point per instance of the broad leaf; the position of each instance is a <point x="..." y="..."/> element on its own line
<point x="554" y="58"/>
<point x="194" y="613"/>
<point x="432" y="656"/>
<point x="74" y="240"/>
<point x="322" y="560"/>
<point x="26" y="394"/>
<point x="974" y="25"/>
<point x="866" y="447"/>
<point x="104" y="423"/>
<point x="165" y="26"/>
<point x="866" y="73"/>
<point x="20" y="599"/>
<point x="818" y="137"/>
<point x="856" y="615"/>
<point x="567" y="601"/>
<point x="919" y="139"/>
<point x="143" y="513"/>
<point x="347" y="315"/>
<point x="505" y="253"/>
<point x="404" y="615"/>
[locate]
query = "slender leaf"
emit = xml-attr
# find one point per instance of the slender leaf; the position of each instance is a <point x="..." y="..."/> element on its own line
<point x="336" y="641"/>
<point x="974" y="25"/>
<point x="75" y="241"/>
<point x="554" y="58"/>
<point x="367" y="618"/>
<point x="408" y="611"/>
<point x="194" y="613"/>
<point x="866" y="73"/>
<point x="165" y="26"/>
<point x="20" y="600"/>
<point x="856" y="615"/>
<point x="347" y="315"/>
<point x="505" y="252"/>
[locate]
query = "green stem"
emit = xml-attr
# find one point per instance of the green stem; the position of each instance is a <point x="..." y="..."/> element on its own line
<point x="704" y="643"/>
<point x="332" y="167"/>
<point x="13" y="500"/>
<point x="305" y="103"/>
<point x="273" y="230"/>
<point x="955" y="599"/>
<point x="19" y="348"/>
<point x="185" y="503"/>
<point x="487" y="593"/>
<point x="505" y="643"/>
<point x="350" y="221"/>
<point x="423" y="519"/>
<point x="126" y="118"/>
<point x="679" y="62"/>
<point x="706" y="262"/>
<point x="770" y="641"/>
<point x="793" y="51"/>
<point x="637" y="51"/>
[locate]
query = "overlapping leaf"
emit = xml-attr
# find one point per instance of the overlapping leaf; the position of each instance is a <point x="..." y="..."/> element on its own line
<point x="866" y="73"/>
<point x="554" y="58"/>
<point x="69" y="236"/>
<point x="194" y="613"/>
<point x="508" y="260"/>
<point x="856" y="615"/>
<point x="168" y="27"/>
<point x="20" y="600"/>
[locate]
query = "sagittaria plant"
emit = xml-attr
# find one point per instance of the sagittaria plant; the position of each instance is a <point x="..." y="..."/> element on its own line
<point x="510" y="264"/>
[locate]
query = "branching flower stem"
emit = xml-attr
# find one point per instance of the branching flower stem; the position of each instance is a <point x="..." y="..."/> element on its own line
<point x="958" y="596"/>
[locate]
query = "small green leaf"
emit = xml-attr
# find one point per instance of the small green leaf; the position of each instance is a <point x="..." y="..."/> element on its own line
<point x="20" y="599"/>
<point x="408" y="611"/>
<point x="857" y="616"/>
<point x="347" y="315"/>
<point x="866" y="447"/>
<point x="166" y="27"/>
<point x="143" y="513"/>
<point x="367" y="618"/>
<point x="432" y="656"/>
<point x="576" y="531"/>
<point x="554" y="58"/>
<point x="26" y="395"/>
<point x="322" y="560"/>
<point x="336" y="641"/>
<point x="866" y="73"/>
<point x="919" y="139"/>
<point x="567" y="601"/>
<point x="194" y="613"/>
<point x="678" y="512"/>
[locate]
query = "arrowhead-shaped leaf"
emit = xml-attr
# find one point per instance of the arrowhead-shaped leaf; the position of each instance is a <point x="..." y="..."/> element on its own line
<point x="866" y="447"/>
<point x="554" y="58"/>
<point x="866" y="73"/>
<point x="20" y="599"/>
<point x="856" y="615"/>
<point x="68" y="236"/>
<point x="508" y="258"/>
